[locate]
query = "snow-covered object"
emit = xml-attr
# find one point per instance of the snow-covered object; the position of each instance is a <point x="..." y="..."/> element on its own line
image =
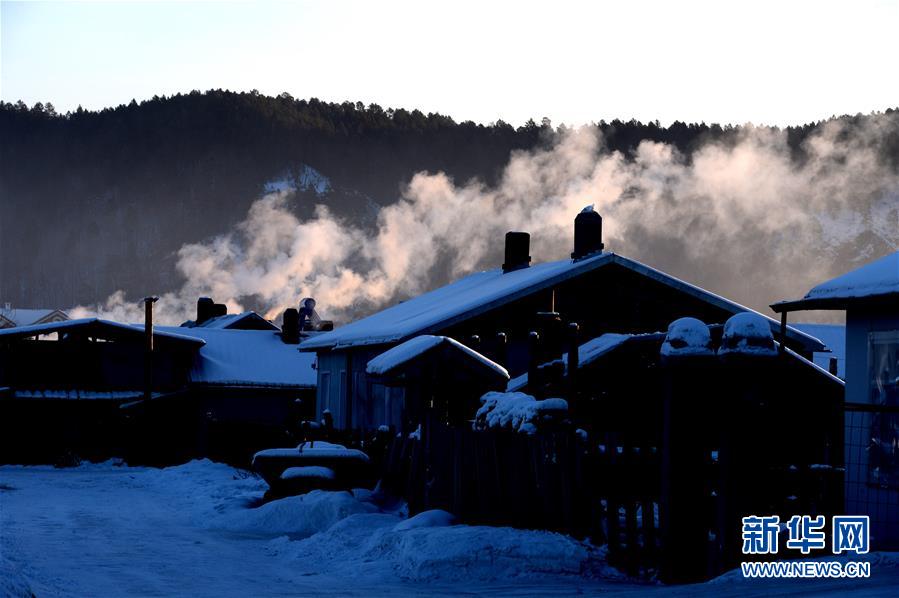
<point x="880" y="277"/>
<point x="748" y="334"/>
<point x="416" y="434"/>
<point x="248" y="358"/>
<point x="412" y="348"/>
<point x="515" y="410"/>
<point x="587" y="209"/>
<point x="311" y="451"/>
<point x="688" y="336"/>
<point x="432" y="518"/>
<point x="308" y="472"/>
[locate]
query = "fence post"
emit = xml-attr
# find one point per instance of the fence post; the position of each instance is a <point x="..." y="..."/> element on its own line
<point x="684" y="532"/>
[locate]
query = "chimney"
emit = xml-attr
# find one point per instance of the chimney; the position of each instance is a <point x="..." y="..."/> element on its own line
<point x="518" y="246"/>
<point x="204" y="309"/>
<point x="148" y="346"/>
<point x="587" y="233"/>
<point x="290" y="326"/>
<point x="219" y="309"/>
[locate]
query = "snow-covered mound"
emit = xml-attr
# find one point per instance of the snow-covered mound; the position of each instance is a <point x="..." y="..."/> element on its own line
<point x="298" y="516"/>
<point x="368" y="545"/>
<point x="687" y="336"/>
<point x="515" y="410"/>
<point x="747" y="333"/>
<point x="432" y="518"/>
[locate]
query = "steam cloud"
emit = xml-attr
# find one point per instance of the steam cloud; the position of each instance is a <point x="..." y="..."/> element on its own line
<point x="743" y="219"/>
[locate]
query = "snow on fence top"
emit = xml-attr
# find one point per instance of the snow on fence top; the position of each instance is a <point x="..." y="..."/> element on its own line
<point x="483" y="291"/>
<point x="748" y="334"/>
<point x="687" y="336"/>
<point x="412" y="348"/>
<point x="880" y="277"/>
<point x="515" y="410"/>
<point x="248" y="358"/>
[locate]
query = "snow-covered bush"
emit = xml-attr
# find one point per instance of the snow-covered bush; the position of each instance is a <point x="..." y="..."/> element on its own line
<point x="516" y="410"/>
<point x="687" y="336"/>
<point x="747" y="333"/>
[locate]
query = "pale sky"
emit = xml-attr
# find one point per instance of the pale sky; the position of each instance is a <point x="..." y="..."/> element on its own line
<point x="721" y="61"/>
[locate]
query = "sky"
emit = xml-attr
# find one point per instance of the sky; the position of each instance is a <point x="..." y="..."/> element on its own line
<point x="783" y="62"/>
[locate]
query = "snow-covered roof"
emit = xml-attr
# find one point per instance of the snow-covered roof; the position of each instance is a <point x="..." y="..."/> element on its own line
<point x="15" y="316"/>
<point x="874" y="282"/>
<point x="880" y="277"/>
<point x="598" y="347"/>
<point x="482" y="291"/>
<point x="248" y="358"/>
<point x="419" y="345"/>
<point x="587" y="353"/>
<point x="98" y="327"/>
<point x="248" y="320"/>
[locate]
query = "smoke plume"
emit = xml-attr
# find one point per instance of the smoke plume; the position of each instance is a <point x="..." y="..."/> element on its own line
<point x="746" y="219"/>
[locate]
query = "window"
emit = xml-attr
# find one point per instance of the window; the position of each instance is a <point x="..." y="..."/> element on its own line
<point x="883" y="389"/>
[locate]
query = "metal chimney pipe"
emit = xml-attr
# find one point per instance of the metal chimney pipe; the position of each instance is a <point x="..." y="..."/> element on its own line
<point x="148" y="346"/>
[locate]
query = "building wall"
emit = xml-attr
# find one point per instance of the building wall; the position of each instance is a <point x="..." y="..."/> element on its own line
<point x="864" y="494"/>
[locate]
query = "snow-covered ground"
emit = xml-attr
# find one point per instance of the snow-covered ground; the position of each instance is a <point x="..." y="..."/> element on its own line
<point x="196" y="530"/>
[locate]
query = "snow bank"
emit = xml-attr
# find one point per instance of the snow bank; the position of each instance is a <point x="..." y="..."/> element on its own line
<point x="747" y="333"/>
<point x="515" y="410"/>
<point x="432" y="518"/>
<point x="371" y="547"/>
<point x="687" y="336"/>
<point x="298" y="516"/>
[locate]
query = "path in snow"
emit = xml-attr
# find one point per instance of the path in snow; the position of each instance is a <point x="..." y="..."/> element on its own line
<point x="102" y="530"/>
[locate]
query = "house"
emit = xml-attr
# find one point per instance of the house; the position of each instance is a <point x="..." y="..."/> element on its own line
<point x="832" y="335"/>
<point x="80" y="387"/>
<point x="495" y="312"/>
<point x="215" y="315"/>
<point x="870" y="297"/>
<point x="11" y="317"/>
<point x="62" y="385"/>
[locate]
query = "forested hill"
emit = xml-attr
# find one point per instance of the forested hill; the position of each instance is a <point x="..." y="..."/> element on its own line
<point x="93" y="202"/>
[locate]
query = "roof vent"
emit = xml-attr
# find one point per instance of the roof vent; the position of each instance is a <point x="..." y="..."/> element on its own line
<point x="587" y="233"/>
<point x="518" y="246"/>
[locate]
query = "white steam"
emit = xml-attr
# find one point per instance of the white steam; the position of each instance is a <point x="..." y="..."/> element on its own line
<point x="742" y="219"/>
